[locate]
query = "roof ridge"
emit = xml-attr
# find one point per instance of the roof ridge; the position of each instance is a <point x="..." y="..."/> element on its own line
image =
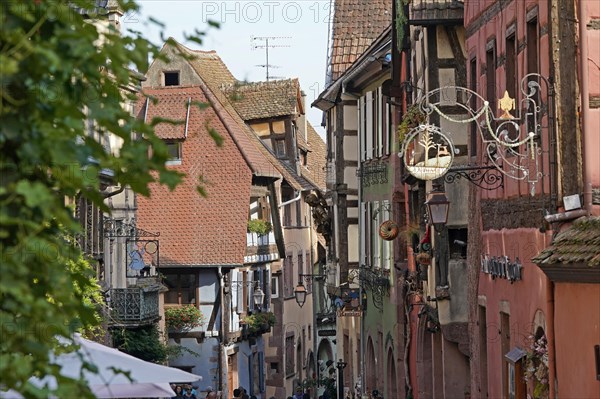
<point x="215" y="95"/>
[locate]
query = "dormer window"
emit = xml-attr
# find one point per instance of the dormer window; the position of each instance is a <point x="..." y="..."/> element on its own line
<point x="174" y="148"/>
<point x="171" y="78"/>
<point x="304" y="158"/>
<point x="279" y="147"/>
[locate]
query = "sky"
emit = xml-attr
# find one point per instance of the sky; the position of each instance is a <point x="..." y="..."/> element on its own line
<point x="298" y="30"/>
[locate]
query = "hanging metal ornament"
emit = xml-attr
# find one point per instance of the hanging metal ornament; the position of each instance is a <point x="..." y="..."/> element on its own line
<point x="427" y="152"/>
<point x="388" y="230"/>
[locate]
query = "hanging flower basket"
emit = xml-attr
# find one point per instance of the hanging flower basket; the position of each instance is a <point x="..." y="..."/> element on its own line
<point x="423" y="258"/>
<point x="259" y="322"/>
<point x="183" y="317"/>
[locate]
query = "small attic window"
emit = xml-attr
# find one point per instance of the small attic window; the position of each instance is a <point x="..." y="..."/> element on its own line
<point x="304" y="158"/>
<point x="172" y="78"/>
<point x="174" y="148"/>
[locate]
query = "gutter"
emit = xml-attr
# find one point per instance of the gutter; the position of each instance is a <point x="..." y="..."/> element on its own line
<point x="291" y="201"/>
<point x="323" y="101"/>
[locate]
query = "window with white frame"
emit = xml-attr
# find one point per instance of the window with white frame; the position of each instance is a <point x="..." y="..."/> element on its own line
<point x="274" y="287"/>
<point x="375" y="123"/>
<point x="375" y="239"/>
<point x="174" y="150"/>
<point x="369" y="126"/>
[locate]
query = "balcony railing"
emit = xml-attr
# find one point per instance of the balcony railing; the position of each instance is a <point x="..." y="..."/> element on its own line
<point x="257" y="240"/>
<point x="260" y="248"/>
<point x="134" y="306"/>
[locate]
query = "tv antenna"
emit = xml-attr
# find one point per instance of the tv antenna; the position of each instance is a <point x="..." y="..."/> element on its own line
<point x="263" y="43"/>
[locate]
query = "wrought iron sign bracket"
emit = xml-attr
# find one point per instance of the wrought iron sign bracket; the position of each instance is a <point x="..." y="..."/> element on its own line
<point x="486" y="177"/>
<point x="120" y="228"/>
<point x="376" y="282"/>
<point x="509" y="129"/>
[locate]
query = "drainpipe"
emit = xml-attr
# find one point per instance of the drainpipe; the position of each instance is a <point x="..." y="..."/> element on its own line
<point x="222" y="376"/>
<point x="292" y="200"/>
<point x="315" y="288"/>
<point x="588" y="151"/>
<point x="551" y="340"/>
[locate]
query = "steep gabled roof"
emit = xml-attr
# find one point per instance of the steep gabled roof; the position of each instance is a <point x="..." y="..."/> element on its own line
<point x="317" y="158"/>
<point x="198" y="231"/>
<point x="214" y="77"/>
<point x="356" y="23"/>
<point x="261" y="100"/>
<point x="212" y="73"/>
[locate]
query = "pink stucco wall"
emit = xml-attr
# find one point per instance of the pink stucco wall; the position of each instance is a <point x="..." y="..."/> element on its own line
<point x="522" y="299"/>
<point x="577" y="321"/>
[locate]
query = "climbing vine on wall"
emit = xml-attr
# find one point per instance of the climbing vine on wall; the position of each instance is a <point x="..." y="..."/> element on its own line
<point x="401" y="21"/>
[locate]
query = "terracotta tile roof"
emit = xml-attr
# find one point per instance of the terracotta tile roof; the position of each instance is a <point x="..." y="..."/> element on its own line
<point x="198" y="231"/>
<point x="172" y="106"/>
<point x="317" y="159"/>
<point x="217" y="79"/>
<point x="261" y="100"/>
<point x="356" y="23"/>
<point x="579" y="244"/>
<point x="214" y="73"/>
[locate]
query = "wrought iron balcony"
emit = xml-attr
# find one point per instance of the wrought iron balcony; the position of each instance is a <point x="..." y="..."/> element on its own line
<point x="134" y="306"/>
<point x="425" y="12"/>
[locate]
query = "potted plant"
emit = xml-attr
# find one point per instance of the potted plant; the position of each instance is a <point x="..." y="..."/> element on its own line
<point x="183" y="317"/>
<point x="424" y="258"/>
<point x="413" y="117"/>
<point x="259" y="322"/>
<point x="259" y="226"/>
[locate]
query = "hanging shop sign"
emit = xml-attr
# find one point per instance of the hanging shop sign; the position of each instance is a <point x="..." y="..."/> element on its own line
<point x="327" y="333"/>
<point x="502" y="267"/>
<point x="427" y="152"/>
<point x="349" y="313"/>
<point x="510" y="132"/>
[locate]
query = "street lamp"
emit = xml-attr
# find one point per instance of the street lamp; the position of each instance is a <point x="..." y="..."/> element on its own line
<point x="300" y="290"/>
<point x="258" y="295"/>
<point x="438" y="205"/>
<point x="300" y="294"/>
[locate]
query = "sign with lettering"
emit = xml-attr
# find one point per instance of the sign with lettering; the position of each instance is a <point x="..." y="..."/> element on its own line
<point x="502" y="266"/>
<point x="326" y="333"/>
<point x="349" y="313"/>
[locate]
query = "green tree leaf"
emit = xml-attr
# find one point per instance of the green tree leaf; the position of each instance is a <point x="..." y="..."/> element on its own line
<point x="65" y="81"/>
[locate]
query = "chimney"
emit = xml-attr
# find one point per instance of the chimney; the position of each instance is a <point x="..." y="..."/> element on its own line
<point x="304" y="118"/>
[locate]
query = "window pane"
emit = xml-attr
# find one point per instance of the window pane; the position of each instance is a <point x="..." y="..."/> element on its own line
<point x="188" y="288"/>
<point x="174" y="149"/>
<point x="171" y="78"/>
<point x="170" y="281"/>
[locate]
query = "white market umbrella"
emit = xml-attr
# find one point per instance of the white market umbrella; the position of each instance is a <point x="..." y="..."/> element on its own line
<point x="119" y="375"/>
